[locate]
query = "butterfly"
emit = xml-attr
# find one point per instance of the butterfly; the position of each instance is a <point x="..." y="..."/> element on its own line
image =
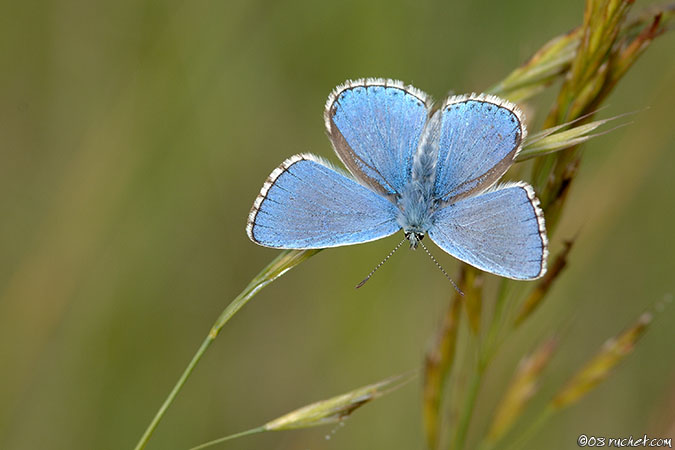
<point x="412" y="167"/>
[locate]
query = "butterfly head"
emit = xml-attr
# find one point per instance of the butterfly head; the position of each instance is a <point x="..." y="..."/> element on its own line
<point x="414" y="237"/>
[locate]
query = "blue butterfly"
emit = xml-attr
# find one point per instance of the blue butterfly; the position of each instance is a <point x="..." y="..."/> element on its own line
<point x="426" y="171"/>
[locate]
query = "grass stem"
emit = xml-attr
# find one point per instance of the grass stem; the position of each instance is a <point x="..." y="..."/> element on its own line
<point x="227" y="438"/>
<point x="530" y="431"/>
<point x="467" y="411"/>
<point x="279" y="266"/>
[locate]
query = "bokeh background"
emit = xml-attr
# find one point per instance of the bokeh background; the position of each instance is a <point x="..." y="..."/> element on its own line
<point x="134" y="136"/>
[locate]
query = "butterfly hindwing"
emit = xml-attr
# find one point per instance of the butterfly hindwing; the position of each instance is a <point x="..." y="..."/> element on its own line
<point x="480" y="137"/>
<point x="375" y="126"/>
<point x="307" y="204"/>
<point x="500" y="231"/>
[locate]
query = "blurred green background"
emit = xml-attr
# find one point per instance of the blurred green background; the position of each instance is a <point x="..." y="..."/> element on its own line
<point x="134" y="136"/>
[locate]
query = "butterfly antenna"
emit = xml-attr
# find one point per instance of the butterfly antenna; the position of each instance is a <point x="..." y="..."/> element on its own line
<point x="380" y="264"/>
<point x="441" y="268"/>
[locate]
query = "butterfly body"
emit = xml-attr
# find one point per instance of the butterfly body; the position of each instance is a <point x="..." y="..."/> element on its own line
<point x="430" y="172"/>
<point x="416" y="202"/>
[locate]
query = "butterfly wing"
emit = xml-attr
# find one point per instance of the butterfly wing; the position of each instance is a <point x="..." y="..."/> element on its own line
<point x="306" y="204"/>
<point x="375" y="126"/>
<point x="480" y="137"/>
<point x="500" y="231"/>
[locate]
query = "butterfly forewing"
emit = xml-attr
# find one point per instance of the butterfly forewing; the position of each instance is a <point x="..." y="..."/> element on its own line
<point x="480" y="137"/>
<point x="307" y="204"/>
<point x="375" y="126"/>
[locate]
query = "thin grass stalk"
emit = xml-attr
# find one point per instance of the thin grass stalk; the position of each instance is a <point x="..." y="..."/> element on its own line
<point x="286" y="260"/>
<point x="438" y="364"/>
<point x="530" y="431"/>
<point x="229" y="438"/>
<point x="486" y="351"/>
<point x="472" y="286"/>
<point x="492" y="337"/>
<point x="523" y="386"/>
<point x="440" y="358"/>
<point x="469" y="405"/>
<point x="509" y="291"/>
